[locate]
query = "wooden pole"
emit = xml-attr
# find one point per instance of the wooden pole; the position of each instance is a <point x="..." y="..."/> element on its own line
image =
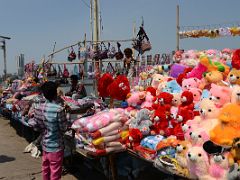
<point x="177" y="27"/>
<point x="5" y="59"/>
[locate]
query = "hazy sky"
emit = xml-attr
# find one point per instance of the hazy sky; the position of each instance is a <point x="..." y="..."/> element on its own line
<point x="34" y="25"/>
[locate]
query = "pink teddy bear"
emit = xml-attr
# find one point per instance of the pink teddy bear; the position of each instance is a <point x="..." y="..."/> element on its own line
<point x="190" y="83"/>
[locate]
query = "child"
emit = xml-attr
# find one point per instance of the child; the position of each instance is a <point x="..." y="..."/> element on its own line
<point x="50" y="119"/>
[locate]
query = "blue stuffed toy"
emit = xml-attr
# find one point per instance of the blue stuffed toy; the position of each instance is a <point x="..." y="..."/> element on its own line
<point x="172" y="87"/>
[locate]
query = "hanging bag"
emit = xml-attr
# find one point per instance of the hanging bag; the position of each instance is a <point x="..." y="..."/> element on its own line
<point x="110" y="69"/>
<point x="111" y="52"/>
<point x="72" y="55"/>
<point x="65" y="72"/>
<point x="51" y="71"/>
<point x="104" y="52"/>
<point x="119" y="54"/>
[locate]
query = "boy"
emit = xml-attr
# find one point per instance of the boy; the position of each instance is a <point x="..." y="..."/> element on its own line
<point x="50" y="119"/>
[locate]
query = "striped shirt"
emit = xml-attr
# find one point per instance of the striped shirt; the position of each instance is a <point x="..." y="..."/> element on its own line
<point x="50" y="119"/>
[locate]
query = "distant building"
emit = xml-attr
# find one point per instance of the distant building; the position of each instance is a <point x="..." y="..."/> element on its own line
<point x="20" y="65"/>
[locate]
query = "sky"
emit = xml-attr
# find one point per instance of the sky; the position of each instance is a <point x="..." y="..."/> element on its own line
<point x="34" y="25"/>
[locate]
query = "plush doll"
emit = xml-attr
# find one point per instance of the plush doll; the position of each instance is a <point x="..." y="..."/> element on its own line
<point x="214" y="66"/>
<point x="135" y="99"/>
<point x="160" y="122"/>
<point x="119" y="88"/>
<point x="212" y="54"/>
<point x="156" y="79"/>
<point x="176" y="101"/>
<point x="220" y="95"/>
<point x="187" y="101"/>
<point x="177" y="69"/>
<point x="228" y="127"/>
<point x="235" y="96"/>
<point x="198" y="137"/>
<point x="142" y="121"/>
<point x="152" y="90"/>
<point x="219" y="166"/>
<point x="183" y="75"/>
<point x="148" y="101"/>
<point x="177" y="57"/>
<point x="189" y="58"/>
<point x="236" y="59"/>
<point x="163" y="101"/>
<point x="234" y="77"/>
<point x="196" y="94"/>
<point x="161" y="86"/>
<point x="226" y="55"/>
<point x="172" y="87"/>
<point x="198" y="163"/>
<point x="135" y="137"/>
<point x="190" y="83"/>
<point x="215" y="77"/>
<point x="103" y="84"/>
<point x="235" y="151"/>
<point x="234" y="172"/>
<point x="181" y="152"/>
<point x="197" y="72"/>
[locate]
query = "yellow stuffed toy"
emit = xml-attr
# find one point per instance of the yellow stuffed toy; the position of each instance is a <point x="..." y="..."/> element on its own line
<point x="229" y="126"/>
<point x="234" y="77"/>
<point x="235" y="152"/>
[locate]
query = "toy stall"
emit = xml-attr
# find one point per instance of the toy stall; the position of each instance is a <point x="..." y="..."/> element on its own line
<point x="181" y="116"/>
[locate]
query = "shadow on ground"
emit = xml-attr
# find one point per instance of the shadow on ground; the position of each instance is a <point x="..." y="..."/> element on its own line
<point x="4" y="158"/>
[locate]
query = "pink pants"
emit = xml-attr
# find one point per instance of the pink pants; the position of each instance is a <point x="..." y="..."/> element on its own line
<point x="52" y="165"/>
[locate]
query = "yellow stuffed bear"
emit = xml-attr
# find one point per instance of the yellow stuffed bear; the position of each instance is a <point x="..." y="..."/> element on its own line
<point x="229" y="126"/>
<point x="234" y="77"/>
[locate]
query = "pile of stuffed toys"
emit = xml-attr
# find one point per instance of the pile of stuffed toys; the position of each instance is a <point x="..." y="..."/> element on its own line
<point x="187" y="120"/>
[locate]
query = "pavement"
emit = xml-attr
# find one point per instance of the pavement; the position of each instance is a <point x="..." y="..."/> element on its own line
<point x="16" y="165"/>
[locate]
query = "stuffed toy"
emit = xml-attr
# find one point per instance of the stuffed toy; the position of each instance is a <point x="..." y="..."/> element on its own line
<point x="220" y="95"/>
<point x="103" y="84"/>
<point x="160" y="122"/>
<point x="156" y="79"/>
<point x="215" y="77"/>
<point x="198" y="163"/>
<point x="205" y="94"/>
<point x="151" y="142"/>
<point x="234" y="172"/>
<point x="176" y="101"/>
<point x="190" y="83"/>
<point x="161" y="86"/>
<point x="181" y="152"/>
<point x="214" y="66"/>
<point x="219" y="166"/>
<point x="196" y="94"/>
<point x="235" y="96"/>
<point x="212" y="54"/>
<point x="184" y="115"/>
<point x="135" y="137"/>
<point x="198" y="137"/>
<point x="119" y="88"/>
<point x="236" y="59"/>
<point x="163" y="101"/>
<point x="177" y="69"/>
<point x="226" y="55"/>
<point x="183" y="75"/>
<point x="187" y="101"/>
<point x="235" y="151"/>
<point x="177" y="57"/>
<point x="135" y="99"/>
<point x="170" y="141"/>
<point x="148" y="101"/>
<point x="234" y="77"/>
<point x="189" y="58"/>
<point x="172" y="87"/>
<point x="228" y="126"/>
<point x="197" y="72"/>
<point x="208" y="116"/>
<point x="142" y="122"/>
<point x="152" y="90"/>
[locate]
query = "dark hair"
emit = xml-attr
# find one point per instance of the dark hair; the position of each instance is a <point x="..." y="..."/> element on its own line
<point x="128" y="52"/>
<point x="49" y="90"/>
<point x="74" y="77"/>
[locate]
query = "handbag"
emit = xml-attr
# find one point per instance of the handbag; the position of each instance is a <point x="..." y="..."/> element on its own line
<point x="65" y="72"/>
<point x="119" y="54"/>
<point x="72" y="55"/>
<point x="111" y="52"/>
<point x="51" y="71"/>
<point x="104" y="53"/>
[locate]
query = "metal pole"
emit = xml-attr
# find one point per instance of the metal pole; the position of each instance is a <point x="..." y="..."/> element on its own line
<point x="178" y="27"/>
<point x="4" y="59"/>
<point x="96" y="39"/>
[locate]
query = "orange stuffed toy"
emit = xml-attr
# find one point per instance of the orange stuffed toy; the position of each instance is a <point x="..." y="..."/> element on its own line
<point x="229" y="126"/>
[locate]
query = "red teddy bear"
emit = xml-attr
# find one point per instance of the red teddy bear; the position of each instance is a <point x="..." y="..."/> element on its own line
<point x="135" y="137"/>
<point x="163" y="101"/>
<point x="187" y="101"/>
<point x="160" y="122"/>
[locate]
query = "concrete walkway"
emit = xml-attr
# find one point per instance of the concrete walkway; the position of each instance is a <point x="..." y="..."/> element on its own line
<point x="14" y="164"/>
